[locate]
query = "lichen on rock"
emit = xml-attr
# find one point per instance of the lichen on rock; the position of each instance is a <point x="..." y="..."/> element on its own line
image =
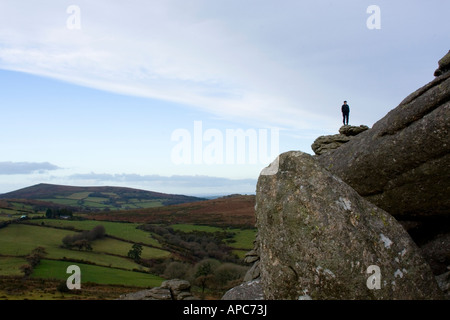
<point x="309" y="244"/>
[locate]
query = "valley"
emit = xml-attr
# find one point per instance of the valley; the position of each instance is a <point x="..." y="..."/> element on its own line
<point x="173" y="241"/>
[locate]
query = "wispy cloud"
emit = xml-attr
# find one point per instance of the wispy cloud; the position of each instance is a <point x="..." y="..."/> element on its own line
<point x="178" y="180"/>
<point x="12" y="168"/>
<point x="288" y="64"/>
<point x="222" y="57"/>
<point x="198" y="184"/>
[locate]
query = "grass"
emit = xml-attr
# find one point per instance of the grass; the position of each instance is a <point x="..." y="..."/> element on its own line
<point x="121" y="230"/>
<point x="84" y="199"/>
<point x="243" y="238"/>
<point x="117" y="247"/>
<point x="193" y="227"/>
<point x="9" y="266"/>
<point x="22" y="206"/>
<point x="50" y="269"/>
<point x="20" y="240"/>
<point x="7" y="211"/>
<point x="62" y="201"/>
<point x="79" y="195"/>
<point x="106" y="264"/>
<point x="149" y="203"/>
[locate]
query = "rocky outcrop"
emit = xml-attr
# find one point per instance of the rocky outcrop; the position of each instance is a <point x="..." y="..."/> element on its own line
<point x="252" y="257"/>
<point x="444" y="65"/>
<point x="444" y="283"/>
<point x="325" y="223"/>
<point x="319" y="239"/>
<point x="327" y="143"/>
<point x="324" y="144"/>
<point x="169" y="290"/>
<point x="401" y="163"/>
<point x="249" y="290"/>
<point x="437" y="253"/>
<point x="351" y="131"/>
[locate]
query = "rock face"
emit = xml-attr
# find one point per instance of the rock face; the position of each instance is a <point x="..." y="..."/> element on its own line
<point x="323" y="221"/>
<point x="169" y="290"/>
<point x="444" y="283"/>
<point x="444" y="65"/>
<point x="402" y="163"/>
<point x="252" y="257"/>
<point x="249" y="290"/>
<point x="325" y="144"/>
<point x="318" y="237"/>
<point x="351" y="131"/>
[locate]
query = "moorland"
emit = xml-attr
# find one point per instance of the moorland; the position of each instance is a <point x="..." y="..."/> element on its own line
<point x="120" y="246"/>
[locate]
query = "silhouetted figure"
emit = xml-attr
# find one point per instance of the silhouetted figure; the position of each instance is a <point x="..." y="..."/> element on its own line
<point x="345" y="113"/>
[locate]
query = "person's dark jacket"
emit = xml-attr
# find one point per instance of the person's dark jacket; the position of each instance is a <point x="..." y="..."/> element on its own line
<point x="345" y="109"/>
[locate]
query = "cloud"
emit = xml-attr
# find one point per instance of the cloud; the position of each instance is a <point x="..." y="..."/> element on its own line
<point x="198" y="184"/>
<point x="287" y="63"/>
<point x="178" y="180"/>
<point x="229" y="58"/>
<point x="12" y="168"/>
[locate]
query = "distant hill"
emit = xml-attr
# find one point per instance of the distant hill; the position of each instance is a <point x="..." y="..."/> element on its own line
<point x="234" y="210"/>
<point x="98" y="198"/>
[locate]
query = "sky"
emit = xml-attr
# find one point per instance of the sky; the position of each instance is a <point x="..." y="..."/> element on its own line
<point x="196" y="97"/>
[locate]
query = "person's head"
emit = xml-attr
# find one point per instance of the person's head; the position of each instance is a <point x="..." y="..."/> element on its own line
<point x="345" y="102"/>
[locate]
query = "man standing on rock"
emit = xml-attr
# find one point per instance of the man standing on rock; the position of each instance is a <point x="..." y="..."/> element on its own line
<point x="345" y="112"/>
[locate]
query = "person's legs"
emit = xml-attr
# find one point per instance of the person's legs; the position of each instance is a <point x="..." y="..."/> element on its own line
<point x="345" y="119"/>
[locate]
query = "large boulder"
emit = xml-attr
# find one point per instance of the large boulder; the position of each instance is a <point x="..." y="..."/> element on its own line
<point x="402" y="163"/>
<point x="319" y="239"/>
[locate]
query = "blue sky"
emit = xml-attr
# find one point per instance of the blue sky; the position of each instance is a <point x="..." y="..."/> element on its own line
<point x="95" y="96"/>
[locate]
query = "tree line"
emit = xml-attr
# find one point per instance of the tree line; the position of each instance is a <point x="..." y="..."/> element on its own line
<point x="195" y="245"/>
<point x="82" y="240"/>
<point x="57" y="213"/>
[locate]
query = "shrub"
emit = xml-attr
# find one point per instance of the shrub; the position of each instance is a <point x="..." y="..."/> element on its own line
<point x="228" y="272"/>
<point x="82" y="239"/>
<point x="135" y="252"/>
<point x="176" y="270"/>
<point x="26" y="269"/>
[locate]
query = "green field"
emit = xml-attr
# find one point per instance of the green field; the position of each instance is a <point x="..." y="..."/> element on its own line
<point x="19" y="240"/>
<point x="193" y="227"/>
<point x="121" y="230"/>
<point x="9" y="266"/>
<point x="79" y="195"/>
<point x="108" y="262"/>
<point x="243" y="238"/>
<point x="50" y="269"/>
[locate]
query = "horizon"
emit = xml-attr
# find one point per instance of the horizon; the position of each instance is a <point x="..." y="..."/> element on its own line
<point x="207" y="196"/>
<point x="197" y="98"/>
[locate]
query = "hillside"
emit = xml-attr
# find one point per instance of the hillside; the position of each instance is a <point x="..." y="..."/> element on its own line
<point x="236" y="210"/>
<point x="174" y="243"/>
<point x="97" y="198"/>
